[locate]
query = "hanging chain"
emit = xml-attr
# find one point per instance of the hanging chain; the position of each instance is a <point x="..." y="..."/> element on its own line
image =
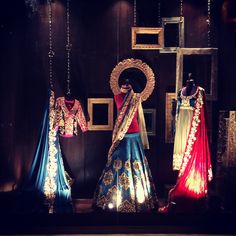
<point x="181" y="21"/>
<point x="159" y="12"/>
<point x="68" y="45"/>
<point x="51" y="53"/>
<point x="135" y="12"/>
<point x="181" y="10"/>
<point x="209" y="23"/>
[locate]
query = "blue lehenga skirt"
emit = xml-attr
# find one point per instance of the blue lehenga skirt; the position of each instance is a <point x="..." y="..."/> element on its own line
<point x="126" y="183"/>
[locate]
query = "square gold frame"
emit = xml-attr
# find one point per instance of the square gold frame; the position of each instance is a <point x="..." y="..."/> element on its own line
<point x="109" y="102"/>
<point x="169" y="136"/>
<point x="147" y="30"/>
<point x="212" y="96"/>
<point x="152" y="111"/>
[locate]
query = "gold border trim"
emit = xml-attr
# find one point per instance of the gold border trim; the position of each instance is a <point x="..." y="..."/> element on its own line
<point x="91" y="102"/>
<point x="147" y="30"/>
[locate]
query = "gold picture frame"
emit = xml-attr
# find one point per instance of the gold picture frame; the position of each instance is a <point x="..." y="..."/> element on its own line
<point x="169" y="119"/>
<point x="212" y="52"/>
<point x="147" y="32"/>
<point x="151" y="121"/>
<point x="133" y="63"/>
<point x="171" y="21"/>
<point x="92" y="125"/>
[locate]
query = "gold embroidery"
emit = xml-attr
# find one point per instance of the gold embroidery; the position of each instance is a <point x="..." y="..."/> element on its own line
<point x="127" y="206"/>
<point x="109" y="159"/>
<point x="50" y="182"/>
<point x="67" y="120"/>
<point x="127" y="165"/>
<point x="108" y="177"/>
<point x="136" y="165"/>
<point x="124" y="181"/>
<point x="101" y="201"/>
<point x="117" y="165"/>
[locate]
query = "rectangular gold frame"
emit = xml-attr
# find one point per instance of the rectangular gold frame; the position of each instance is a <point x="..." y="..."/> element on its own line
<point x="212" y="96"/>
<point x="151" y="111"/>
<point x="173" y="20"/>
<point x="147" y="30"/>
<point x="169" y="137"/>
<point x="91" y="102"/>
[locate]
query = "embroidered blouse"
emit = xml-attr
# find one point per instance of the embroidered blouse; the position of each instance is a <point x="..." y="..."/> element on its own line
<point x="134" y="126"/>
<point x="68" y="116"/>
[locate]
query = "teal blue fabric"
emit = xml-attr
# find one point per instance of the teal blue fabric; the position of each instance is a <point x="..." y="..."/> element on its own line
<point x="134" y="184"/>
<point x="34" y="186"/>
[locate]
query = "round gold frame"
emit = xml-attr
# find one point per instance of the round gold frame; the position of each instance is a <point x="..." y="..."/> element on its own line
<point x="133" y="63"/>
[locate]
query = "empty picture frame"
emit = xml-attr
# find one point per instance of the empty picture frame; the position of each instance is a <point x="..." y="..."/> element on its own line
<point x="202" y="63"/>
<point x="150" y="121"/>
<point x="101" y="113"/>
<point x="170" y="117"/>
<point x="173" y="31"/>
<point x="146" y="38"/>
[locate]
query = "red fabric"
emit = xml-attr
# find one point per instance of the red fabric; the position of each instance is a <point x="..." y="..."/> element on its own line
<point x="134" y="127"/>
<point x="190" y="191"/>
<point x="192" y="182"/>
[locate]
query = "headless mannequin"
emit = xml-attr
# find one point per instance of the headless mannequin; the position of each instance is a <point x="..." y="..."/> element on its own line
<point x="190" y="87"/>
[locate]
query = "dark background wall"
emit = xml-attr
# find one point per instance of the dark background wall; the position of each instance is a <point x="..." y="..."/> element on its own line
<point x="101" y="37"/>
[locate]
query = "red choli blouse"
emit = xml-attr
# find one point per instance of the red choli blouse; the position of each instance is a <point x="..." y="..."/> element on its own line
<point x="134" y="127"/>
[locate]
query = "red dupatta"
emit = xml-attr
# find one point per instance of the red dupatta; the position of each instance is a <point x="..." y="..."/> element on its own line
<point x="195" y="170"/>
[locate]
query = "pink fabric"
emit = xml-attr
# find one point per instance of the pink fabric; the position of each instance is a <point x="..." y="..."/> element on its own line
<point x="192" y="182"/>
<point x="134" y="127"/>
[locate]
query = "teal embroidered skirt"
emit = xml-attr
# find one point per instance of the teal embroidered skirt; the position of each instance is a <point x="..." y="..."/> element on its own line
<point x="126" y="183"/>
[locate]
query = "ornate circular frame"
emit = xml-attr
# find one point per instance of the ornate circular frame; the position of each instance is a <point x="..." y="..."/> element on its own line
<point x="133" y="63"/>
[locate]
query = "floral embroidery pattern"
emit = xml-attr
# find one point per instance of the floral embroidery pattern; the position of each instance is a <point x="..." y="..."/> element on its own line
<point x="127" y="165"/>
<point x="108" y="177"/>
<point x="124" y="181"/>
<point x="117" y="164"/>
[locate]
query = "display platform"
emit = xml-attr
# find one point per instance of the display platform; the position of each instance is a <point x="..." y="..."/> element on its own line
<point x="87" y="221"/>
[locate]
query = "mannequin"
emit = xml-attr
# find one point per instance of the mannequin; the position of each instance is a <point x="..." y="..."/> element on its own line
<point x="191" y="157"/>
<point x="190" y="86"/>
<point x="126" y="183"/>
